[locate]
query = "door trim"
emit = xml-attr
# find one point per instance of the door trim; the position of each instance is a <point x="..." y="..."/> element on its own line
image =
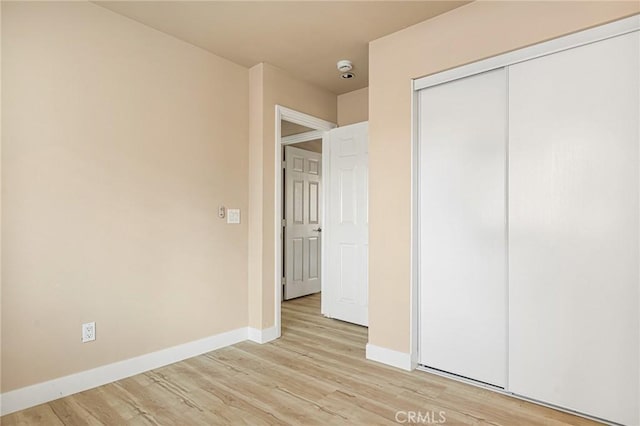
<point x="414" y="294"/>
<point x="317" y="124"/>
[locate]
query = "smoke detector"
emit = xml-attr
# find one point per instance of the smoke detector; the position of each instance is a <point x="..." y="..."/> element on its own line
<point x="344" y="65"/>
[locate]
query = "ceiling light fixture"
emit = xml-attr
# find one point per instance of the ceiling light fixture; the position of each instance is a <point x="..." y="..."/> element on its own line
<point x="347" y="75"/>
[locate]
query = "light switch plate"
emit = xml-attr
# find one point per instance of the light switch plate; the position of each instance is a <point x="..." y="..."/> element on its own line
<point x="233" y="216"/>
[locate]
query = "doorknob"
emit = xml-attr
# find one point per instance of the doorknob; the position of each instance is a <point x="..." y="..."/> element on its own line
<point x="318" y="230"/>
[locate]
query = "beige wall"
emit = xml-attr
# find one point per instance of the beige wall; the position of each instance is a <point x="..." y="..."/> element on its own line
<point x="271" y="86"/>
<point x="256" y="130"/>
<point x="313" y="146"/>
<point x="353" y="107"/>
<point x="119" y="143"/>
<point x="464" y="35"/>
<point x="288" y="128"/>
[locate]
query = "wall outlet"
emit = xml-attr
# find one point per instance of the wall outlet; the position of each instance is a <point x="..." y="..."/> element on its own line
<point x="88" y="332"/>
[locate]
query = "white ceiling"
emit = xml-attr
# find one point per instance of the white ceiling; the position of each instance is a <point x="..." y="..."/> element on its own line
<point x="304" y="38"/>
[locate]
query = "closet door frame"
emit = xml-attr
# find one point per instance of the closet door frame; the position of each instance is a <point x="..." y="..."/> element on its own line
<point x="581" y="38"/>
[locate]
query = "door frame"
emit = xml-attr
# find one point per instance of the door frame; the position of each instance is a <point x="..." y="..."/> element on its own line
<point x="319" y="127"/>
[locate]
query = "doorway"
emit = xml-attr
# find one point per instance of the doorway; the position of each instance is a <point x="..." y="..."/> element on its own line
<point x="301" y="135"/>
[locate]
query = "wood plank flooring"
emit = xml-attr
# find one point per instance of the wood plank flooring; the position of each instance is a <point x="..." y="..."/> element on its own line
<point x="315" y="374"/>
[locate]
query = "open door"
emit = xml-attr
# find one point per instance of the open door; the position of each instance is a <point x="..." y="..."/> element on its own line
<point x="345" y="294"/>
<point x="302" y="232"/>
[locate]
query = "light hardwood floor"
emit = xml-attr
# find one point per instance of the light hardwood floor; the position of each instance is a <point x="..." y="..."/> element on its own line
<point x="315" y="374"/>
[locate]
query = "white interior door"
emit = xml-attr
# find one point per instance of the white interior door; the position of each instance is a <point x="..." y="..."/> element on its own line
<point x="345" y="289"/>
<point x="303" y="213"/>
<point x="463" y="288"/>
<point x="573" y="236"/>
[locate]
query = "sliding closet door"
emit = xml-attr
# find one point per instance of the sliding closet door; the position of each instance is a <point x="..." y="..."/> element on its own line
<point x="462" y="219"/>
<point x="573" y="234"/>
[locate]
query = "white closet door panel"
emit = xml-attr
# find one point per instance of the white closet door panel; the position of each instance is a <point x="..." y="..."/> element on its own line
<point x="463" y="322"/>
<point x="573" y="235"/>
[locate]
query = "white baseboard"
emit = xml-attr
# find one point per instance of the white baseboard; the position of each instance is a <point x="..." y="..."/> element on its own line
<point x="390" y="357"/>
<point x="263" y="336"/>
<point x="40" y="393"/>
